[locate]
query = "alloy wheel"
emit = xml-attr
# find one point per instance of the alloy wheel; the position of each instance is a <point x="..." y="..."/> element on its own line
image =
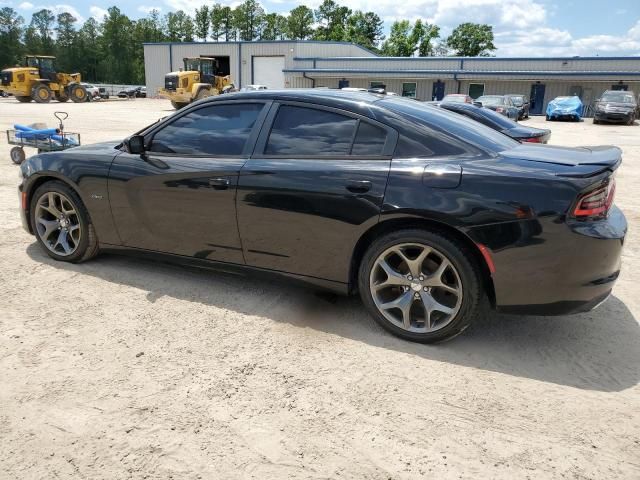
<point x="416" y="287"/>
<point x="58" y="223"/>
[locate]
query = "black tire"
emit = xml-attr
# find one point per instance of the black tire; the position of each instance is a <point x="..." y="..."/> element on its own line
<point x="62" y="98"/>
<point x="596" y="122"/>
<point x="88" y="243"/>
<point x="178" y="105"/>
<point x="17" y="155"/>
<point x="23" y="99"/>
<point x="41" y="93"/>
<point x="458" y="255"/>
<point x="78" y="94"/>
<point x="548" y="118"/>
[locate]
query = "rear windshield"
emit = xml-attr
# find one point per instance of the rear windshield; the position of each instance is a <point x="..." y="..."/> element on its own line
<point x="618" y="97"/>
<point x="489" y="117"/>
<point x="461" y="127"/>
<point x="491" y="100"/>
<point x="517" y="101"/>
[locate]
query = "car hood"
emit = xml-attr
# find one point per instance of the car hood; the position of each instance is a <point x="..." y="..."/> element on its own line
<point x="96" y="147"/>
<point x="629" y="106"/>
<point x="600" y="158"/>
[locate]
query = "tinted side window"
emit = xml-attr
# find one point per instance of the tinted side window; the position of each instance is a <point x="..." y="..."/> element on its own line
<point x="214" y="130"/>
<point x="369" y="140"/>
<point x="309" y="131"/>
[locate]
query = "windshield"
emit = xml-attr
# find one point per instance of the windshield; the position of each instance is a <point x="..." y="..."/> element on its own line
<point x="617" y="97"/>
<point x="491" y="100"/>
<point x="458" y="126"/>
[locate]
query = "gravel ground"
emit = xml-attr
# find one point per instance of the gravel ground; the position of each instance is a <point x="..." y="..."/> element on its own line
<point x="124" y="368"/>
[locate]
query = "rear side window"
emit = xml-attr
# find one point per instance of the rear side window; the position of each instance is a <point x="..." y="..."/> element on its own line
<point x="215" y="130"/>
<point x="369" y="140"/>
<point x="310" y="131"/>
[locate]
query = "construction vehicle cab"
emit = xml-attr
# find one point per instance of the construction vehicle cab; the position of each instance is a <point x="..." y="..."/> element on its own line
<point x="38" y="80"/>
<point x="201" y="77"/>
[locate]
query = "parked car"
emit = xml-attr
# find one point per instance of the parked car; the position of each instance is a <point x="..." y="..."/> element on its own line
<point x="565" y="108"/>
<point x="522" y="103"/>
<point x="104" y="94"/>
<point x="92" y="91"/>
<point x="499" y="122"/>
<point x="458" y="98"/>
<point x="251" y="88"/>
<point x="425" y="213"/>
<point x="616" y="106"/>
<point x="4" y="94"/>
<point x="134" y="92"/>
<point x="500" y="104"/>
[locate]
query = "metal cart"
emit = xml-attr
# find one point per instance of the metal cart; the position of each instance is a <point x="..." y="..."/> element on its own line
<point x="61" y="140"/>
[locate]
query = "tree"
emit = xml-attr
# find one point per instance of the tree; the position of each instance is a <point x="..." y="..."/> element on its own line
<point x="472" y="40"/>
<point x="424" y="36"/>
<point x="42" y="29"/>
<point x="116" y="48"/>
<point x="275" y="27"/>
<point x="11" y="25"/>
<point x="300" y="23"/>
<point x="179" y="27"/>
<point x="202" y="21"/>
<point x="248" y="19"/>
<point x="66" y="45"/>
<point x="89" y="49"/>
<point x="222" y="23"/>
<point x="365" y="29"/>
<point x="333" y="21"/>
<point x="401" y="42"/>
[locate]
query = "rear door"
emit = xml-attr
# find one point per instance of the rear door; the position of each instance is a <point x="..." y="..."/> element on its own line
<point x="314" y="184"/>
<point x="179" y="197"/>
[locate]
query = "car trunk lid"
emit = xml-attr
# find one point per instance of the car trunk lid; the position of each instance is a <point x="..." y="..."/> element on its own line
<point x="579" y="161"/>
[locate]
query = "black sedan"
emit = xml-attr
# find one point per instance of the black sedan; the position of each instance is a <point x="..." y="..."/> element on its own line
<point x="499" y="103"/>
<point x="426" y="213"/>
<point x="521" y="102"/>
<point x="499" y="122"/>
<point x="616" y="106"/>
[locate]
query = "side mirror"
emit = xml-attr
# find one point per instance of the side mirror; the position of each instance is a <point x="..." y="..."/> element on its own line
<point x="135" y="144"/>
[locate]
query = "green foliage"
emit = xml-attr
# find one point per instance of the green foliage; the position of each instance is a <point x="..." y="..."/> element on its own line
<point x="472" y="40"/>
<point x="300" y="23"/>
<point x="111" y="49"/>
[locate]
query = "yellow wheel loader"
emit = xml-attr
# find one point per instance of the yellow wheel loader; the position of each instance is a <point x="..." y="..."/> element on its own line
<point x="38" y="80"/>
<point x="201" y="78"/>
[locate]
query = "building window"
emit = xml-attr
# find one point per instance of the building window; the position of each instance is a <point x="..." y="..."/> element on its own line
<point x="377" y="85"/>
<point x="476" y="90"/>
<point x="409" y="89"/>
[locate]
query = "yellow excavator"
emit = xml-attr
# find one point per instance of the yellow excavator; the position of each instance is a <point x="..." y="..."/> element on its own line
<point x="200" y="78"/>
<point x="38" y="80"/>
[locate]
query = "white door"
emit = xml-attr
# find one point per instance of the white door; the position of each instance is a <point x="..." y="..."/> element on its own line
<point x="268" y="71"/>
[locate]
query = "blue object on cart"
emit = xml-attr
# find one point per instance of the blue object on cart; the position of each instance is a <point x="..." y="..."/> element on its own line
<point x="565" y="107"/>
<point x="44" y="134"/>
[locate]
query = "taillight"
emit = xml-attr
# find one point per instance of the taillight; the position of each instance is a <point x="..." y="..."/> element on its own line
<point x="532" y="140"/>
<point x="499" y="110"/>
<point x="597" y="202"/>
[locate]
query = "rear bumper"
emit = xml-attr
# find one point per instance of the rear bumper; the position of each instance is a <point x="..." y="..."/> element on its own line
<point x="547" y="267"/>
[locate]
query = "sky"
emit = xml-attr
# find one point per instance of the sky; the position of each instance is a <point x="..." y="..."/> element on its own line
<point x="521" y="27"/>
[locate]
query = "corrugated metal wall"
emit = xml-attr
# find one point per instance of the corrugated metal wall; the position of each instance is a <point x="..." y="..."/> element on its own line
<point x="157" y="56"/>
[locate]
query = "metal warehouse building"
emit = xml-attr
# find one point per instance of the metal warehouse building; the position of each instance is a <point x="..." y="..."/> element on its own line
<point x="304" y="64"/>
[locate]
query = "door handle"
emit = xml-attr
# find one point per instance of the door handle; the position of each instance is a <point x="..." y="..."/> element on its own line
<point x="359" y="186"/>
<point x="219" y="183"/>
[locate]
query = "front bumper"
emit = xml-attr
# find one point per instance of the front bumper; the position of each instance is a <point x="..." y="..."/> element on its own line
<point x="613" y="116"/>
<point x="545" y="266"/>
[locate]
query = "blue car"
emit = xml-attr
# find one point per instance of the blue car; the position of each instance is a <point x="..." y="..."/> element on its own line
<point x="565" y="108"/>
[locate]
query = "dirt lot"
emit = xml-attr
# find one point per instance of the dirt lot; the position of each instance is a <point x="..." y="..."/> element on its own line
<point x="123" y="368"/>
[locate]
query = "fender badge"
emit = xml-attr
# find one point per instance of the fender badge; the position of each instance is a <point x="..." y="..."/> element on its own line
<point x="96" y="197"/>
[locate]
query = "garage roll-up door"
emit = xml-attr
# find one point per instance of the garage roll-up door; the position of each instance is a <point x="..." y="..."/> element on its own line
<point x="268" y="71"/>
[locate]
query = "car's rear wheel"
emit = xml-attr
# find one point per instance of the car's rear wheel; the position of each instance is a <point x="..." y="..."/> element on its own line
<point x="61" y="223"/>
<point x="420" y="285"/>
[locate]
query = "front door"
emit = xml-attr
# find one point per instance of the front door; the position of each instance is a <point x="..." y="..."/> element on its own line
<point x="179" y="197"/>
<point x="437" y="92"/>
<point x="536" y="99"/>
<point x="313" y="186"/>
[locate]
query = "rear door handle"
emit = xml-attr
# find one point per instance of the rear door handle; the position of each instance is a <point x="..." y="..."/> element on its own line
<point x="359" y="186"/>
<point x="219" y="183"/>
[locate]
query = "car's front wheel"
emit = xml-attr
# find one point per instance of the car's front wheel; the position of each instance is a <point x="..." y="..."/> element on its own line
<point x="61" y="223"/>
<point x="420" y="285"/>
